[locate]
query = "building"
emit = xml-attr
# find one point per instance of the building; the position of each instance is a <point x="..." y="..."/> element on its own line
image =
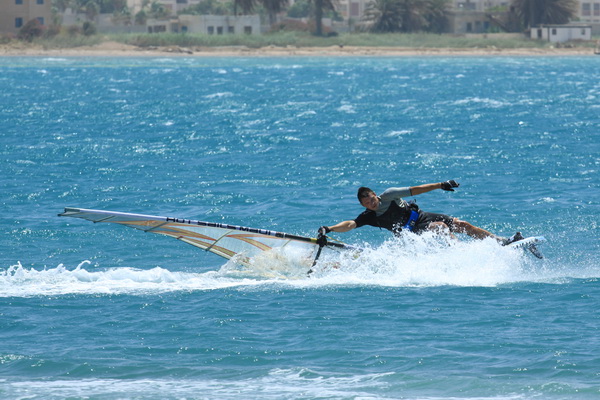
<point x="473" y="16"/>
<point x="352" y="9"/>
<point x="207" y="24"/>
<point x="16" y="13"/>
<point x="478" y="5"/>
<point x="561" y="33"/>
<point x="589" y="13"/>
<point x="467" y="21"/>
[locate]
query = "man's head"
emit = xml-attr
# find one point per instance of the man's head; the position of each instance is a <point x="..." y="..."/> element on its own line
<point x="368" y="198"/>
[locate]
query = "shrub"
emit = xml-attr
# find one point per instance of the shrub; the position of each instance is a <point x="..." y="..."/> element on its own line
<point x="89" y="28"/>
<point x="52" y="31"/>
<point x="6" y="38"/>
<point x="31" y="30"/>
<point x="74" y="30"/>
<point x="290" y="25"/>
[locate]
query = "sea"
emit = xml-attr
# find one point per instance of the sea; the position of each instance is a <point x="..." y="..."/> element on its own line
<point x="104" y="312"/>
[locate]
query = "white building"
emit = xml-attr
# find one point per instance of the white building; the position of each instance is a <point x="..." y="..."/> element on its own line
<point x="561" y="33"/>
<point x="208" y="24"/>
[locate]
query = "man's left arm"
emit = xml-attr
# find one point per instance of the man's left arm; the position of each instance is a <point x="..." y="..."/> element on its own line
<point x="448" y="185"/>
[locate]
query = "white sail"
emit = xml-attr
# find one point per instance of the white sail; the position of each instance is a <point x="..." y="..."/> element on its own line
<point x="225" y="240"/>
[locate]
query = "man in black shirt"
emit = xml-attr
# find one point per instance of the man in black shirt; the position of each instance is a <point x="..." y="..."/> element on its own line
<point x="392" y="212"/>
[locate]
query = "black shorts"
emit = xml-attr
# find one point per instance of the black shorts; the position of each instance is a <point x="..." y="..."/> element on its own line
<point x="425" y="218"/>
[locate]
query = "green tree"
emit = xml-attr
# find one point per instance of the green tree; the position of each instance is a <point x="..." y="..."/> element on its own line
<point x="32" y="29"/>
<point x="208" y="7"/>
<point x="247" y="6"/>
<point x="414" y="15"/>
<point x="62" y="5"/>
<point x="92" y="9"/>
<point x="536" y="12"/>
<point x="141" y="17"/>
<point x="437" y="20"/>
<point x="153" y="9"/>
<point x="383" y="16"/>
<point x="273" y="7"/>
<point x="406" y="15"/>
<point x="300" y="9"/>
<point x="319" y="7"/>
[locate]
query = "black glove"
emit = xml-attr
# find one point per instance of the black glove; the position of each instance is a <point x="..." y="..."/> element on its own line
<point x="321" y="238"/>
<point x="448" y="185"/>
<point x="324" y="230"/>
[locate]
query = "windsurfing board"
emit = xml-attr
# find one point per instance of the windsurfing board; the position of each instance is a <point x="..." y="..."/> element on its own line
<point x="529" y="243"/>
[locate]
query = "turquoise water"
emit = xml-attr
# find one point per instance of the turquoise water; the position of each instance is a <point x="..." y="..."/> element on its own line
<point x="104" y="312"/>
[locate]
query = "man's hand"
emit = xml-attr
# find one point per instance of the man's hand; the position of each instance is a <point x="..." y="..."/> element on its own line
<point x="321" y="238"/>
<point x="324" y="230"/>
<point x="448" y="185"/>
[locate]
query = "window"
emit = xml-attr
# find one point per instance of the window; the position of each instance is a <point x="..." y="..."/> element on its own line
<point x="41" y="19"/>
<point x="467" y="5"/>
<point x="553" y="31"/>
<point x="248" y="30"/>
<point x="219" y="30"/>
<point x="211" y="30"/>
<point x="231" y="30"/>
<point x="39" y="1"/>
<point x="18" y="22"/>
<point x="586" y="9"/>
<point x="354" y="9"/>
<point x="596" y="9"/>
<point x="18" y="1"/>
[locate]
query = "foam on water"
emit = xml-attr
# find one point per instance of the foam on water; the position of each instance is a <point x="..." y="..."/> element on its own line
<point x="275" y="384"/>
<point x="409" y="261"/>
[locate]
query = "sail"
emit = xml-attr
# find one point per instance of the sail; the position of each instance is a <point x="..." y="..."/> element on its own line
<point x="225" y="240"/>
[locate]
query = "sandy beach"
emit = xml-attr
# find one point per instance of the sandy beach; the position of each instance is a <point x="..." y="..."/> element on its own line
<point x="115" y="49"/>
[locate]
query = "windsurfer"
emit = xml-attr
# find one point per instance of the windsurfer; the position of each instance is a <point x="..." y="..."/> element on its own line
<point x="392" y="212"/>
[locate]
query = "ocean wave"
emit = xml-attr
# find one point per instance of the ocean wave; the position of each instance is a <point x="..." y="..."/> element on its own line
<point x="408" y="261"/>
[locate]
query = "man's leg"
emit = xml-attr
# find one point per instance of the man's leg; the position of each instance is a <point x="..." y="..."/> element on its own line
<point x="460" y="226"/>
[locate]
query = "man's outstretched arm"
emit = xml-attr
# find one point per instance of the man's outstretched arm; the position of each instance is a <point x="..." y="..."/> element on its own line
<point x="344" y="226"/>
<point x="448" y="185"/>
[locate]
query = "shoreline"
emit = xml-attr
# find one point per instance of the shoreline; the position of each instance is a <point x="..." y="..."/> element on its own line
<point x="115" y="49"/>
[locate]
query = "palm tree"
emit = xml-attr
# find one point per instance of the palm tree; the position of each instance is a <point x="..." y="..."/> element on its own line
<point x="319" y="7"/>
<point x="536" y="12"/>
<point x="413" y="15"/>
<point x="62" y="5"/>
<point x="406" y="15"/>
<point x="383" y="15"/>
<point x="92" y="9"/>
<point x="273" y="7"/>
<point x="437" y="20"/>
<point x="247" y="6"/>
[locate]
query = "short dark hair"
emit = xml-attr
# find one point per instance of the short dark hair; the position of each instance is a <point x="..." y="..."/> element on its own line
<point x="363" y="192"/>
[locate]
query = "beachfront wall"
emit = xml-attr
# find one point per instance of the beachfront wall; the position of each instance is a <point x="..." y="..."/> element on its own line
<point x="105" y="23"/>
<point x="208" y="24"/>
<point x="561" y="33"/>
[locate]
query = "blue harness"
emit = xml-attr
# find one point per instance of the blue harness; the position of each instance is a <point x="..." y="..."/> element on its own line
<point x="412" y="221"/>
